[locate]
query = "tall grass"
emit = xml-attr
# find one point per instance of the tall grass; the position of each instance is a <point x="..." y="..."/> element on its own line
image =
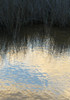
<point x="14" y="13"/>
<point x="60" y="13"/>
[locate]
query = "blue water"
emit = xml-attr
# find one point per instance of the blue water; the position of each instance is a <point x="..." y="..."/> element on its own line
<point x="36" y="62"/>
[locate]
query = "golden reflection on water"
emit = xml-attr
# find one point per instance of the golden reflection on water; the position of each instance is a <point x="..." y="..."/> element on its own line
<point x="57" y="68"/>
<point x="35" y="73"/>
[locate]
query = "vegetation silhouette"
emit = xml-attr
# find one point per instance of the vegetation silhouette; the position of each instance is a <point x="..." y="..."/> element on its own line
<point x="36" y="36"/>
<point x="15" y="13"/>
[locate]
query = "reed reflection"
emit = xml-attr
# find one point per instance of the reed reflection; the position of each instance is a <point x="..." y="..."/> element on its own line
<point x="37" y="59"/>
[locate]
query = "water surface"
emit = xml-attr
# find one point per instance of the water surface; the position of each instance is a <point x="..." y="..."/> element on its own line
<point x="35" y="65"/>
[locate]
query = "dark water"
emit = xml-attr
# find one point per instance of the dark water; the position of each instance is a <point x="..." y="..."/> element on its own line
<point x="35" y="65"/>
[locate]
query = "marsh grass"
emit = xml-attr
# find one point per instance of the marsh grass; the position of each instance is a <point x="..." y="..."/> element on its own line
<point x="16" y="13"/>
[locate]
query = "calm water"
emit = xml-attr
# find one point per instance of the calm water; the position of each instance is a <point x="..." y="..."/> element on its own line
<point x="35" y="65"/>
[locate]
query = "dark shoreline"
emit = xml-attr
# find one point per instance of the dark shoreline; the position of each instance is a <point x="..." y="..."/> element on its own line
<point x="15" y="13"/>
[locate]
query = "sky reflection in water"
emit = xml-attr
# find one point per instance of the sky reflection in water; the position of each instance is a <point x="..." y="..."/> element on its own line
<point x="39" y="61"/>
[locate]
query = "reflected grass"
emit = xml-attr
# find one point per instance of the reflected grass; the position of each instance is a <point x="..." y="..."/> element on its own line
<point x="33" y="56"/>
<point x="53" y="39"/>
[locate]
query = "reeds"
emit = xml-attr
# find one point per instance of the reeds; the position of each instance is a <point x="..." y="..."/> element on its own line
<point x="60" y="12"/>
<point x="15" y="13"/>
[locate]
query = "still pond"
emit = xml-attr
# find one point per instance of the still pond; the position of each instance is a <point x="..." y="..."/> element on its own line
<point x="35" y="65"/>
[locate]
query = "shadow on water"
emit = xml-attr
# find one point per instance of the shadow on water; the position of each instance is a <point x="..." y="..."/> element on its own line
<point x="60" y="39"/>
<point x="37" y="36"/>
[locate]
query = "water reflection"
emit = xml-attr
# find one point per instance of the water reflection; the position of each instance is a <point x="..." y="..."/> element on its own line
<point x="36" y="62"/>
